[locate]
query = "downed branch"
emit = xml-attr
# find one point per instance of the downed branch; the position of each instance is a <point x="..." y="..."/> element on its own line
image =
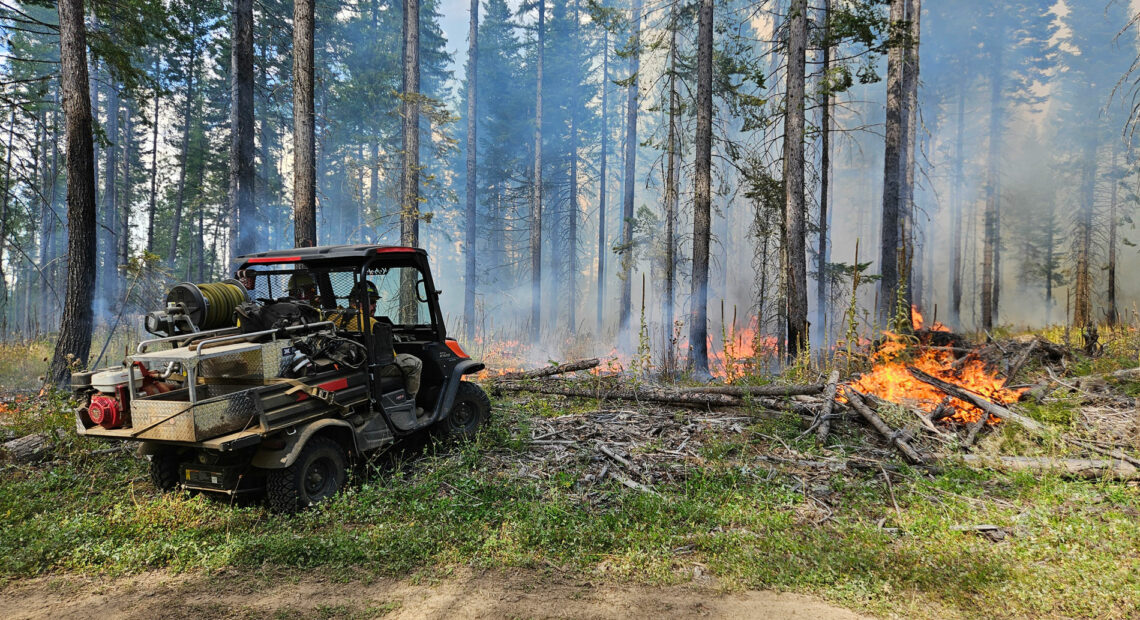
<point x="856" y="400"/>
<point x="549" y="371"/>
<point x="991" y="408"/>
<point x="757" y="390"/>
<point x="646" y="394"/>
<point x="828" y="403"/>
<point x="1083" y="468"/>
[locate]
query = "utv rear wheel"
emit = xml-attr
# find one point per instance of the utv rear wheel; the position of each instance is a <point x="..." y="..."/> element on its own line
<point x="164" y="470"/>
<point x="316" y="475"/>
<point x="470" y="410"/>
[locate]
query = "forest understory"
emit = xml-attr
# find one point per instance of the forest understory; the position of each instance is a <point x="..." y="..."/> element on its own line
<point x="626" y="484"/>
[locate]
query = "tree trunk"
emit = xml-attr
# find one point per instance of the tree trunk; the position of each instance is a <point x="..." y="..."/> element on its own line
<point x="472" y="145"/>
<point x="180" y="200"/>
<point x="824" y="181"/>
<point x="304" y="146"/>
<point x="1082" y="295"/>
<point x="602" y="176"/>
<point x="242" y="219"/>
<point x="110" y="287"/>
<point x="910" y="132"/>
<point x="795" y="267"/>
<point x="572" y="223"/>
<point x="892" y="187"/>
<point x="536" y="193"/>
<point x="410" y="175"/>
<point x="74" y="342"/>
<point x="632" y="96"/>
<point x="990" y="260"/>
<point x="4" y="220"/>
<point x="1113" y="314"/>
<point x="956" y="214"/>
<point x="702" y="195"/>
<point x="124" y="217"/>
<point x="152" y="207"/>
<point x="671" y="201"/>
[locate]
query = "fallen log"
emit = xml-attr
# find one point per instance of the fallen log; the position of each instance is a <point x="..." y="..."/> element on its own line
<point x="828" y="404"/>
<point x="977" y="400"/>
<point x="975" y="426"/>
<point x="1082" y="468"/>
<point x="549" y="371"/>
<point x="647" y="394"/>
<point x="756" y="390"/>
<point x="29" y="448"/>
<point x="856" y="400"/>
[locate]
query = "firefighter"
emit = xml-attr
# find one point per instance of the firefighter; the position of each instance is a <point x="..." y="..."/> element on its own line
<point x="350" y="319"/>
<point x="303" y="287"/>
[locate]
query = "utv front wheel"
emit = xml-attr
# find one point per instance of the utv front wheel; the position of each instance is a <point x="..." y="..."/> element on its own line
<point x="316" y="475"/>
<point x="470" y="410"/>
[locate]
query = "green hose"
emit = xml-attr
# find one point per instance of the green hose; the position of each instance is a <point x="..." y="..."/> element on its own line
<point x="209" y="305"/>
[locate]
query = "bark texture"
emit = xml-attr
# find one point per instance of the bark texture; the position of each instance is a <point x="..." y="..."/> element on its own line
<point x="241" y="208"/>
<point x="795" y="266"/>
<point x="304" y="143"/>
<point x="74" y="341"/>
<point x="472" y="125"/>
<point x="632" y="98"/>
<point x="889" y="238"/>
<point x="702" y="196"/>
<point x="536" y="191"/>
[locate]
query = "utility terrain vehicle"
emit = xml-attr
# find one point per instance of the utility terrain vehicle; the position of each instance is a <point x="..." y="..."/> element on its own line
<point x="260" y="384"/>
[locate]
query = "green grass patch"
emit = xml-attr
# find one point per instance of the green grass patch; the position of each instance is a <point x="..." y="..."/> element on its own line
<point x="1071" y="548"/>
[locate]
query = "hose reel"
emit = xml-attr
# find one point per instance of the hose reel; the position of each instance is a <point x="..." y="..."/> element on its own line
<point x="197" y="307"/>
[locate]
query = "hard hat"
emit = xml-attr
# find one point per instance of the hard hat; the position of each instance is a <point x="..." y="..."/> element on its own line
<point x="300" y="282"/>
<point x="365" y="285"/>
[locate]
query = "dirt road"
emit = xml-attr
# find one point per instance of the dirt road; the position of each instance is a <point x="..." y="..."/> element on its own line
<point x="521" y="594"/>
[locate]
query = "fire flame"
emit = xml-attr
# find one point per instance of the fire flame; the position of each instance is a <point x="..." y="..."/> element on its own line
<point x="916" y="321"/>
<point x="890" y="381"/>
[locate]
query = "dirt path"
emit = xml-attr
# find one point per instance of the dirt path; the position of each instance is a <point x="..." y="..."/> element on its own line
<point x="522" y="594"/>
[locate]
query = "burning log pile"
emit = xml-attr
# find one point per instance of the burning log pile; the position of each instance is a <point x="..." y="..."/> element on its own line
<point x="925" y="394"/>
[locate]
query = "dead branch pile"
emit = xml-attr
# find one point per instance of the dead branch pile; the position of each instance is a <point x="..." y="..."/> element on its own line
<point x="662" y="427"/>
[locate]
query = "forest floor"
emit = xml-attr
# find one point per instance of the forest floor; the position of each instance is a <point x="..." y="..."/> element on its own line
<point x="574" y="507"/>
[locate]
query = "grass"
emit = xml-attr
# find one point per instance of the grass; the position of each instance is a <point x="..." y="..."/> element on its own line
<point x="1073" y="547"/>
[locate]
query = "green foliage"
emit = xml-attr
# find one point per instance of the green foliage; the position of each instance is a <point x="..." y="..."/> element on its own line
<point x="748" y="524"/>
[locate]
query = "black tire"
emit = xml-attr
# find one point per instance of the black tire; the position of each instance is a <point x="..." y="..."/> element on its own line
<point x="472" y="407"/>
<point x="164" y="471"/>
<point x="316" y="475"/>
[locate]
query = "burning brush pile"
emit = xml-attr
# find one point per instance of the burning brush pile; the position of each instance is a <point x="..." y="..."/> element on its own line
<point x="922" y="392"/>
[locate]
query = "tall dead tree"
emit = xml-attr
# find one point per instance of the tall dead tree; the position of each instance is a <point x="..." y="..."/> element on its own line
<point x="109" y="291"/>
<point x="469" y="228"/>
<point x="991" y="265"/>
<point x="74" y="342"/>
<point x="602" y="177"/>
<point x="824" y="177"/>
<point x="702" y="195"/>
<point x="1083" y="238"/>
<point x="152" y="206"/>
<point x="795" y="209"/>
<point x="536" y="190"/>
<point x="890" y="239"/>
<point x="632" y="95"/>
<point x="304" y="119"/>
<point x="912" y="242"/>
<point x="410" y="174"/>
<point x="242" y="165"/>
<point x="671" y="197"/>
<point x="572" y="216"/>
<point x="184" y="156"/>
<point x="956" y="212"/>
<point x="1113" y="314"/>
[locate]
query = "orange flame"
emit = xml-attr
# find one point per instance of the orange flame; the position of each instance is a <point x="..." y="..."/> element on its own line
<point x="917" y="321"/>
<point x="890" y="381"/>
